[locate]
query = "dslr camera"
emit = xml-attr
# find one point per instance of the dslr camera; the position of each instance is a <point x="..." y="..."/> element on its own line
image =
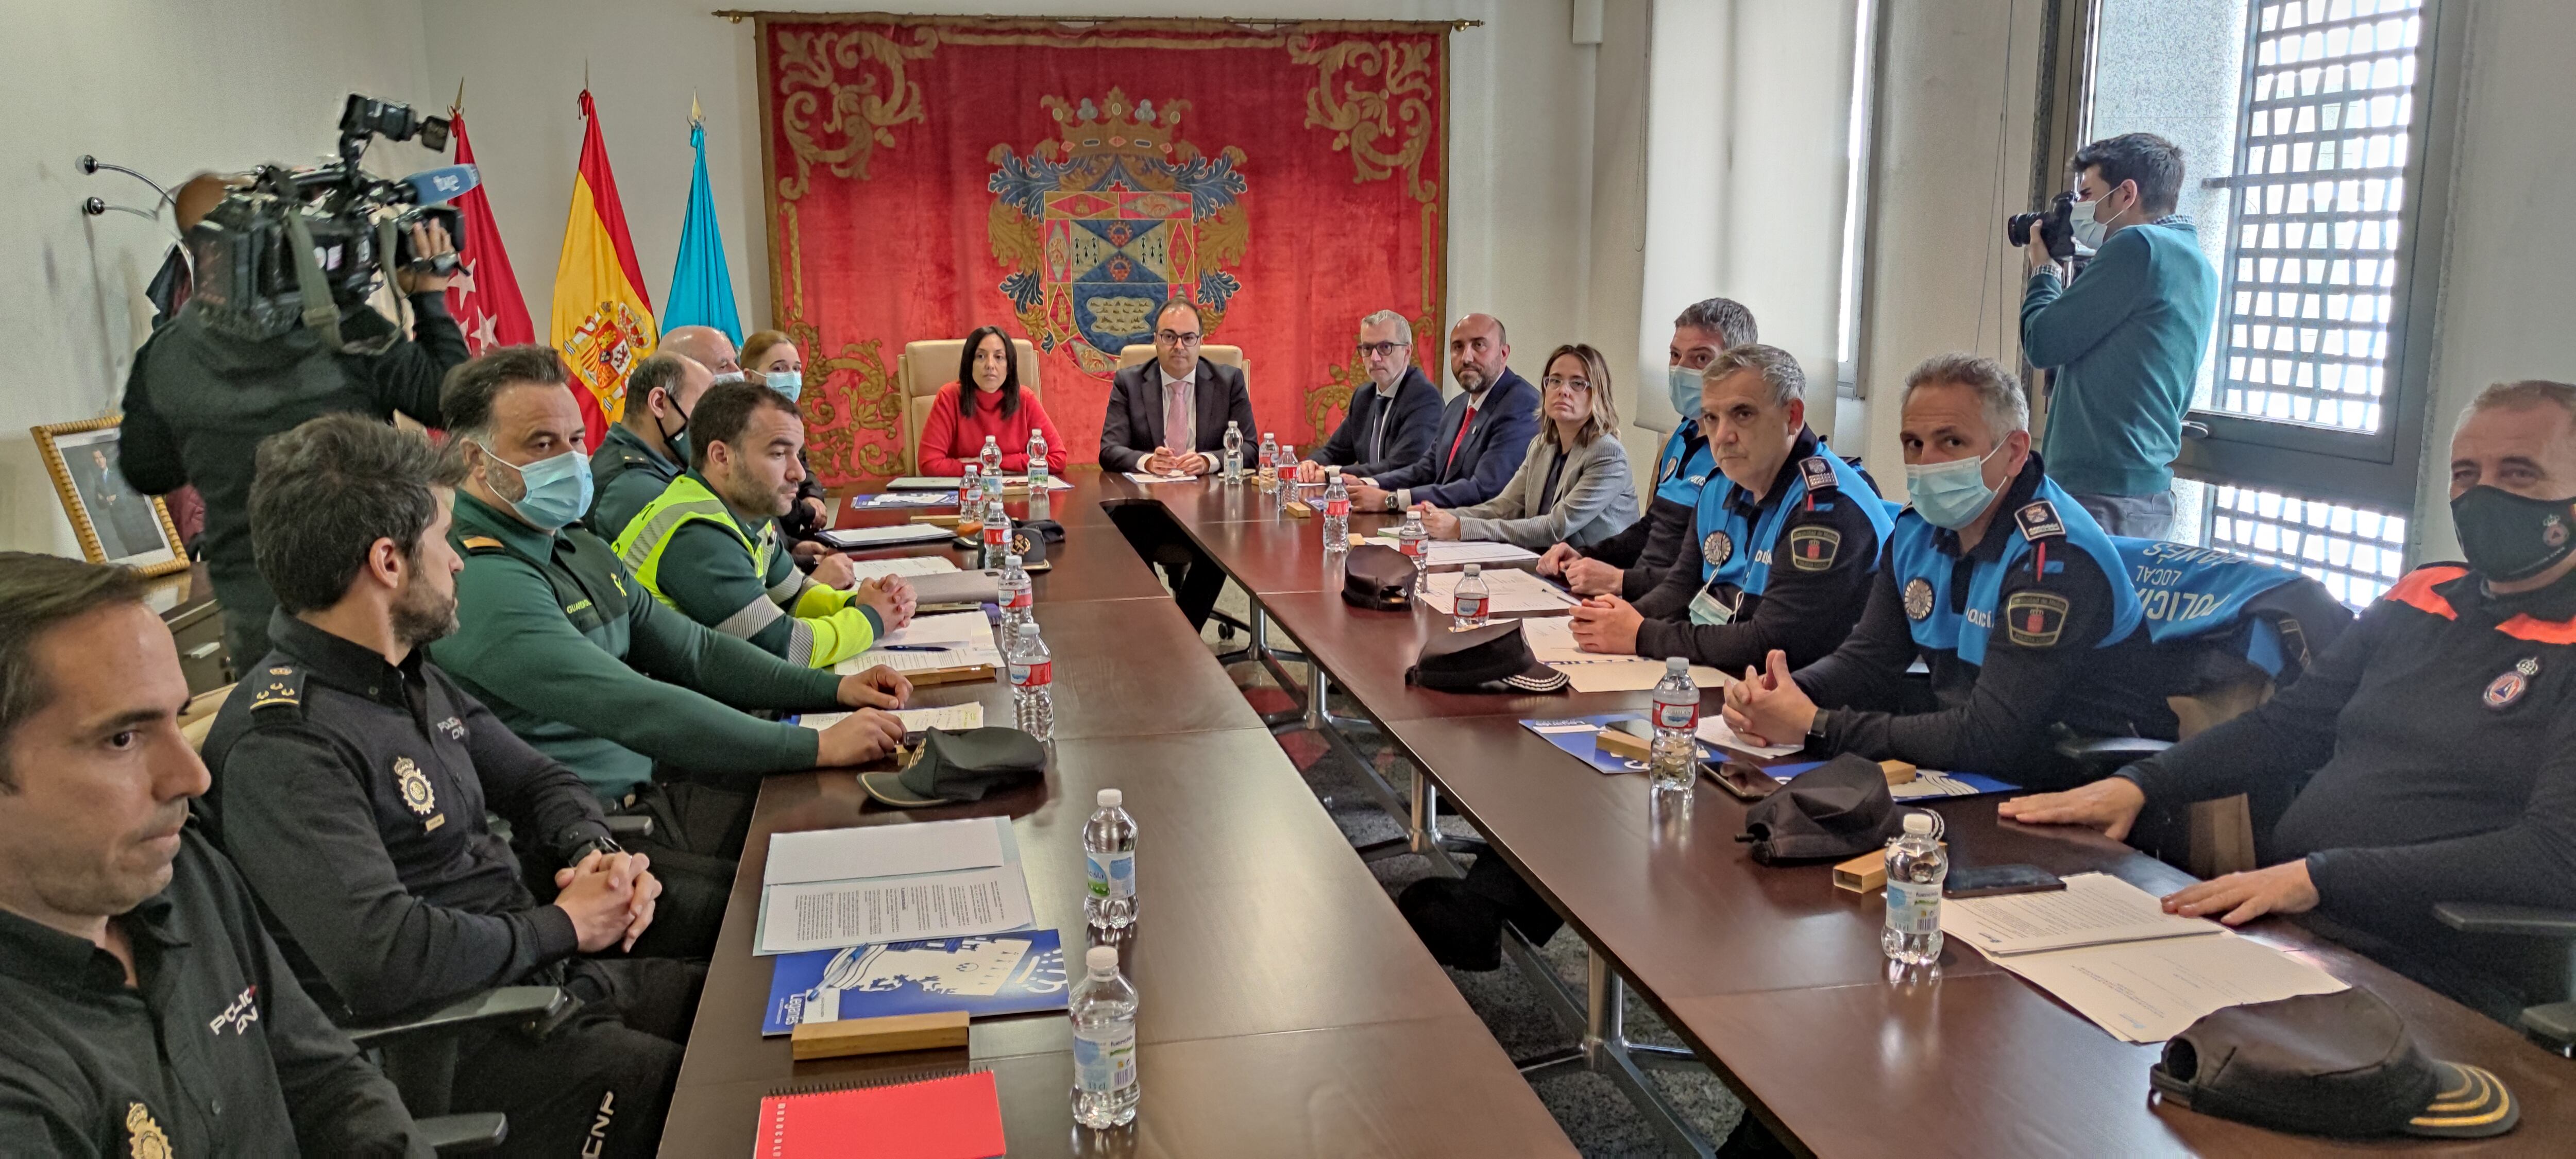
<point x="2054" y="227"/>
<point x="295" y="246"/>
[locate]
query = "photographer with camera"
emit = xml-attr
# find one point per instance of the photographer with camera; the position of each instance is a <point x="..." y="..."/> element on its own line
<point x="2125" y="339"/>
<point x="279" y="330"/>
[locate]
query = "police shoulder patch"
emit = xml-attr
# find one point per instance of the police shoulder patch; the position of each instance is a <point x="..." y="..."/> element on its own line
<point x="2034" y="618"/>
<point x="479" y="544"/>
<point x="1819" y="473"/>
<point x="1812" y="547"/>
<point x="2039" y="521"/>
<point x="280" y="695"/>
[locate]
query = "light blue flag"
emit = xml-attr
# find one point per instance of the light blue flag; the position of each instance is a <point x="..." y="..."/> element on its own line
<point x="701" y="283"/>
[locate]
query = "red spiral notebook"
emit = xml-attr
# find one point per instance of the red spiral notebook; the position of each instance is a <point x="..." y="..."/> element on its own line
<point x="953" y="1117"/>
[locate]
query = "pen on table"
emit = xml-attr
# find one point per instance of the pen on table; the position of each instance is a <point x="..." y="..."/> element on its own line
<point x="915" y="648"/>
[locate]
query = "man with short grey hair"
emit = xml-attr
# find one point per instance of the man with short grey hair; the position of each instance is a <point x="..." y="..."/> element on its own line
<point x="1390" y="422"/>
<point x="1784" y="539"/>
<point x="1996" y="581"/>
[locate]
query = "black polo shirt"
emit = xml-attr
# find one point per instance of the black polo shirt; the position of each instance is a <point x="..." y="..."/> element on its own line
<point x="354" y="796"/>
<point x="218" y="1052"/>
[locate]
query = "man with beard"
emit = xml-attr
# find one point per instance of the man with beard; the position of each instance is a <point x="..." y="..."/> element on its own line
<point x="352" y="784"/>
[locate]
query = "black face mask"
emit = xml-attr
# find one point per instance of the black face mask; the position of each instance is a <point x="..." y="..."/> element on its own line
<point x="2509" y="537"/>
<point x="679" y="439"/>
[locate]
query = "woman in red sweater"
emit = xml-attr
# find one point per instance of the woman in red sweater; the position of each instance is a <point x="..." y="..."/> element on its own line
<point x="960" y="418"/>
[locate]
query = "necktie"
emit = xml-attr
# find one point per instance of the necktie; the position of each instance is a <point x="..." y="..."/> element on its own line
<point x="1463" y="424"/>
<point x="1176" y="416"/>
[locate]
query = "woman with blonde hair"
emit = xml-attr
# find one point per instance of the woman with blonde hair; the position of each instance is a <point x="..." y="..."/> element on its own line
<point x="1573" y="485"/>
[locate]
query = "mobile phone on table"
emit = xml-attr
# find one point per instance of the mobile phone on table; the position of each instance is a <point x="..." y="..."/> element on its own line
<point x="1749" y="782"/>
<point x="1994" y="880"/>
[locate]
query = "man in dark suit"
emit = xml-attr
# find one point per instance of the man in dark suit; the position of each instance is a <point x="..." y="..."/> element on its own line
<point x="1391" y="422"/>
<point x="1483" y="433"/>
<point x="1169" y="417"/>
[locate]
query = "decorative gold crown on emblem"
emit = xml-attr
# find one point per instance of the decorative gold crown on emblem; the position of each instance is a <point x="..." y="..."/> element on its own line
<point x="1114" y="124"/>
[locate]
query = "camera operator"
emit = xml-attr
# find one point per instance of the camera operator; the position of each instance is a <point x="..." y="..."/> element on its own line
<point x="199" y="400"/>
<point x="2125" y="338"/>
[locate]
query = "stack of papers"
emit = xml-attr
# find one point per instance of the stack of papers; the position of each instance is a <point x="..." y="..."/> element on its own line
<point x="2108" y="949"/>
<point x="1512" y="591"/>
<point x="1141" y="477"/>
<point x="947" y="640"/>
<point x="1551" y="642"/>
<point x="906" y="499"/>
<point x="954" y="718"/>
<point x="862" y="538"/>
<point x="834" y="888"/>
<point x="912" y="565"/>
<point x="1445" y="553"/>
<point x="1713" y="729"/>
<point x="953" y="482"/>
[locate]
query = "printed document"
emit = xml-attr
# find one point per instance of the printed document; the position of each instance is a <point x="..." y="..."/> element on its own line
<point x="911" y="565"/>
<point x="1512" y="590"/>
<point x="831" y="888"/>
<point x="953" y="482"/>
<point x="954" y="718"/>
<point x="859" y="538"/>
<point x="885" y="851"/>
<point x="2151" y="991"/>
<point x="2093" y="909"/>
<point x="1714" y="730"/>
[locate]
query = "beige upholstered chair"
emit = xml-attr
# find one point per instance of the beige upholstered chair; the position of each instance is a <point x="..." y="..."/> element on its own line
<point x="1141" y="354"/>
<point x="924" y="367"/>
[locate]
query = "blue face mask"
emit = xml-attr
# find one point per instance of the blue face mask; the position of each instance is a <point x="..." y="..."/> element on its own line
<point x="558" y="490"/>
<point x="1950" y="494"/>
<point x="787" y="382"/>
<point x="1684" y="383"/>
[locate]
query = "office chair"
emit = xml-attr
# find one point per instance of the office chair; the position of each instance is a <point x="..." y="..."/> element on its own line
<point x="419" y="1055"/>
<point x="2538" y="950"/>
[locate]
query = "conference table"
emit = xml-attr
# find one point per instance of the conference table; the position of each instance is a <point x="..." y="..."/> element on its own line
<point x="1288" y="1010"/>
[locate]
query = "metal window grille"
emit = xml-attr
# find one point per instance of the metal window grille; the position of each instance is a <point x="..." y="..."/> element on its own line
<point x="2322" y="147"/>
<point x="2357" y="552"/>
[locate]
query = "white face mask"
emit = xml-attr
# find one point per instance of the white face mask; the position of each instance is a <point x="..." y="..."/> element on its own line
<point x="2090" y="232"/>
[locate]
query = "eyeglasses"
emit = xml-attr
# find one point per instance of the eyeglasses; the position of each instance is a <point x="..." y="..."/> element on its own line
<point x="1175" y="338"/>
<point x="1382" y="349"/>
<point x="1576" y="385"/>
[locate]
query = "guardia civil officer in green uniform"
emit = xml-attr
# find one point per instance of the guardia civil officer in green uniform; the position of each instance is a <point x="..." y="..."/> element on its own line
<point x="2000" y="584"/>
<point x="710" y="546"/>
<point x="648" y="445"/>
<point x="354" y="784"/>
<point x="143" y="1011"/>
<point x="572" y="654"/>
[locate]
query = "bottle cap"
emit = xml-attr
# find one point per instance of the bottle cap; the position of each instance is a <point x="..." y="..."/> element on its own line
<point x="1476" y="569"/>
<point x="1335" y="472"/>
<point x="1010" y="561"/>
<point x="1676" y="664"/>
<point x="1112" y="798"/>
<point x="1103" y="960"/>
<point x="1919" y="824"/>
<point x="1029" y="630"/>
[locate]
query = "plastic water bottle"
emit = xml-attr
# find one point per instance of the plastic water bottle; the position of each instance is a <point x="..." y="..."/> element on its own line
<point x="1233" y="452"/>
<point x="1032" y="675"/>
<point x="1337" y="512"/>
<point x="1266" y="473"/>
<point x="1109" y="857"/>
<point x="1103" y="1006"/>
<point x="970" y="489"/>
<point x="991" y="460"/>
<point x="1037" y="462"/>
<point x="1415" y="542"/>
<point x="1916" y="863"/>
<point x="996" y="529"/>
<point x="1675" y="759"/>
<point x="1474" y="602"/>
<point x="1017" y="594"/>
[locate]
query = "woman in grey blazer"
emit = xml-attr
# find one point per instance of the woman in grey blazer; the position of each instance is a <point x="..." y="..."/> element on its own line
<point x="1573" y="485"/>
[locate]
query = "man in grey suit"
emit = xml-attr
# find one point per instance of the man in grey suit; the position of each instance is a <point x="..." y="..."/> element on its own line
<point x="1168" y="417"/>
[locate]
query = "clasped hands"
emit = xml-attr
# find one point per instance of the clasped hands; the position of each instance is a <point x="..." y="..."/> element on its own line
<point x="1166" y="461"/>
<point x="610" y="898"/>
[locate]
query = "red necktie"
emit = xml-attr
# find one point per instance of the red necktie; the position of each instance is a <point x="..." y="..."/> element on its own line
<point x="1463" y="424"/>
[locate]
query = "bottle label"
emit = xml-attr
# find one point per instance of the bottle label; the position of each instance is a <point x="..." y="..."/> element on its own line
<point x="1037" y="675"/>
<point x="1677" y="714"/>
<point x="1104" y="1058"/>
<point x="1019" y="598"/>
<point x="1471" y="607"/>
<point x="1914" y="908"/>
<point x="1113" y="875"/>
<point x="995" y="535"/>
<point x="1337" y="508"/>
<point x="1409" y="544"/>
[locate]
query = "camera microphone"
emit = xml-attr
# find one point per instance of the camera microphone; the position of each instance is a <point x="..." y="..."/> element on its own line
<point x="439" y="186"/>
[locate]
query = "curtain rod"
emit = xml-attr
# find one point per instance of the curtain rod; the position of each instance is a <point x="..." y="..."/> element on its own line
<point x="738" y="15"/>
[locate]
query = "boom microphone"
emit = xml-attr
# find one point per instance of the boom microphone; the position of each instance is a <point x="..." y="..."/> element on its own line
<point x="439" y="186"/>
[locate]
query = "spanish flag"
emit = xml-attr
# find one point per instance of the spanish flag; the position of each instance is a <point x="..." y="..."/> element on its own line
<point x="603" y="323"/>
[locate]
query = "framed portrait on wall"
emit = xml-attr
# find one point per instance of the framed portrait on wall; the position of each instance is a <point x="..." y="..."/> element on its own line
<point x="116" y="523"/>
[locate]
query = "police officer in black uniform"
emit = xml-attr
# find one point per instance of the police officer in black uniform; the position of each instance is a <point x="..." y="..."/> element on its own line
<point x="2001" y="585"/>
<point x="352" y="782"/>
<point x="1782" y="543"/>
<point x="142" y="1009"/>
<point x="2432" y="746"/>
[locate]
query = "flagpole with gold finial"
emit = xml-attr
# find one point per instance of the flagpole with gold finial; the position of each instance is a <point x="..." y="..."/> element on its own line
<point x="459" y="107"/>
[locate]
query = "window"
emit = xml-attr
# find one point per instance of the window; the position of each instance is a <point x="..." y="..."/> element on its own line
<point x="2355" y="551"/>
<point x="2319" y="199"/>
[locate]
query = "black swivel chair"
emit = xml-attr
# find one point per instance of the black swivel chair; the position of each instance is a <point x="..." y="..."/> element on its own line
<point x="2535" y="948"/>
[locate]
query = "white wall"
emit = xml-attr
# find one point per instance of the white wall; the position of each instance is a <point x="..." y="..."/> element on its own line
<point x="167" y="89"/>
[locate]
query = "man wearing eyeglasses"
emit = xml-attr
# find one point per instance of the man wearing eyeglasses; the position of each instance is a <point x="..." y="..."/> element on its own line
<point x="1392" y="421"/>
<point x="1168" y="417"/>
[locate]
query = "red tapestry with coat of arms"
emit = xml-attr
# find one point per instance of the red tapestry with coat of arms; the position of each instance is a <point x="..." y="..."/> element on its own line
<point x="929" y="175"/>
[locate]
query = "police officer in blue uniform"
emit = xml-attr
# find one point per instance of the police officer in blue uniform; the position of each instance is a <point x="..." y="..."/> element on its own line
<point x="1784" y="540"/>
<point x="1632" y="562"/>
<point x="2000" y="584"/>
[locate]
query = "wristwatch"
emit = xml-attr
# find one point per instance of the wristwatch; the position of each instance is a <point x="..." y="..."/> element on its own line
<point x="1391" y="503"/>
<point x="1816" y="728"/>
<point x="600" y="844"/>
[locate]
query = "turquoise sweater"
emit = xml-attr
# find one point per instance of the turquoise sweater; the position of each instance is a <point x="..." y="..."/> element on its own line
<point x="2126" y="341"/>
